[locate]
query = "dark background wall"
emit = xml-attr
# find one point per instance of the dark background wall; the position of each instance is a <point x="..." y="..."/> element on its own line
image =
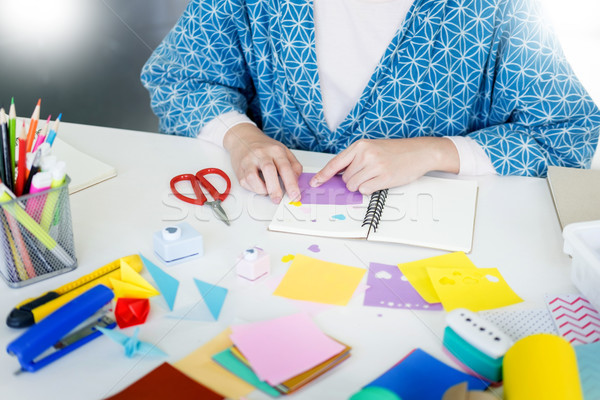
<point x="82" y="57"/>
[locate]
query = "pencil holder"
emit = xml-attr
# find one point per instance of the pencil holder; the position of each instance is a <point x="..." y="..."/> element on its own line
<point x="36" y="236"/>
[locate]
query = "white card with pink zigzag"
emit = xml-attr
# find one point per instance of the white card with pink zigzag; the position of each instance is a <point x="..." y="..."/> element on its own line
<point x="575" y="318"/>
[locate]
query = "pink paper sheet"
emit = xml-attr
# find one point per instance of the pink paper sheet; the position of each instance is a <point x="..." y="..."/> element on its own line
<point x="282" y="348"/>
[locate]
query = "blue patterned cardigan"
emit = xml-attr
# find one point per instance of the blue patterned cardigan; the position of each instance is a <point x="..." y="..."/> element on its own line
<point x="487" y="69"/>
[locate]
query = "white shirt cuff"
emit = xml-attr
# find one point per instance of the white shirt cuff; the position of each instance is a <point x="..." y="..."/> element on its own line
<point x="473" y="159"/>
<point x="214" y="131"/>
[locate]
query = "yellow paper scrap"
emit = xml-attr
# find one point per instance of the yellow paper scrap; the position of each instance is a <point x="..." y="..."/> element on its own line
<point x="132" y="285"/>
<point x="200" y="366"/>
<point x="129" y="290"/>
<point x="475" y="289"/>
<point x="287" y="257"/>
<point x="319" y="281"/>
<point x="416" y="272"/>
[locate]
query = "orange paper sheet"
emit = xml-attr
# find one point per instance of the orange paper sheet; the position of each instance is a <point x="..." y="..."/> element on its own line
<point x="200" y="366"/>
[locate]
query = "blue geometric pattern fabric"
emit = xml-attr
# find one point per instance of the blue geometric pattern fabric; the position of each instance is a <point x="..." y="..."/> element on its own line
<point x="488" y="69"/>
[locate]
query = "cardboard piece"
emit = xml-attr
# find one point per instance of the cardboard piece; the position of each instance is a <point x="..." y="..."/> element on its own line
<point x="461" y="392"/>
<point x="575" y="193"/>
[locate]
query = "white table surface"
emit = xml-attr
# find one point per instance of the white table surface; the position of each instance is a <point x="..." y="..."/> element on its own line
<point x="516" y="231"/>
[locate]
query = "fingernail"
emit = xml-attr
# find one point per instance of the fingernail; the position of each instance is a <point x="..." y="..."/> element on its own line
<point x="314" y="183"/>
<point x="294" y="195"/>
<point x="276" y="200"/>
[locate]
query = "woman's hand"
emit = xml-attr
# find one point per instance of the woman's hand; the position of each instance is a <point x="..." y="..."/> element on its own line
<point x="254" y="154"/>
<point x="371" y="165"/>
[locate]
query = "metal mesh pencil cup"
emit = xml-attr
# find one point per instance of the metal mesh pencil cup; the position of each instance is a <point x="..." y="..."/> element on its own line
<point x="36" y="236"/>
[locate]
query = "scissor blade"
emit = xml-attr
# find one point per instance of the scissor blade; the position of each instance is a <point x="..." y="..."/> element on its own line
<point x="219" y="212"/>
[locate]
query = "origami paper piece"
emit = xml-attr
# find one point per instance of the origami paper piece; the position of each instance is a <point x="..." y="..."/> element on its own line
<point x="387" y="287"/>
<point x="320" y="281"/>
<point x="475" y="289"/>
<point x="132" y="344"/>
<point x="334" y="191"/>
<point x="416" y="272"/>
<point x="296" y="336"/>
<point x="200" y="366"/>
<point x="129" y="312"/>
<point x="213" y="295"/>
<point x="132" y="285"/>
<point x="166" y="283"/>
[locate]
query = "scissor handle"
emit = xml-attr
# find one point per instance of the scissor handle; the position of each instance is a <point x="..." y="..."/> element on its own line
<point x="200" y="197"/>
<point x="200" y="175"/>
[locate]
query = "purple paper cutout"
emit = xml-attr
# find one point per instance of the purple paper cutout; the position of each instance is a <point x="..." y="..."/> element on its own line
<point x="386" y="288"/>
<point x="333" y="191"/>
<point x="314" y="248"/>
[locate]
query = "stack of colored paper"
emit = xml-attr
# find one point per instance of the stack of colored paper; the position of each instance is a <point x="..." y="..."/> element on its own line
<point x="281" y="355"/>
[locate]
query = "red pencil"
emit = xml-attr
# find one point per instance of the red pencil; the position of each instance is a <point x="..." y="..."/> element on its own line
<point x="22" y="165"/>
<point x="33" y="125"/>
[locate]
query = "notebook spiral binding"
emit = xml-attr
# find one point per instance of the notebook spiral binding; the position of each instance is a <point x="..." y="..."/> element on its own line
<point x="375" y="209"/>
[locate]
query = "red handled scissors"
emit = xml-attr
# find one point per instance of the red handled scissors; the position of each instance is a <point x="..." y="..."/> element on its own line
<point x="198" y="182"/>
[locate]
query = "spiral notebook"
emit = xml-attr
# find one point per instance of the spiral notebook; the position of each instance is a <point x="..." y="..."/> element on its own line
<point x="430" y="212"/>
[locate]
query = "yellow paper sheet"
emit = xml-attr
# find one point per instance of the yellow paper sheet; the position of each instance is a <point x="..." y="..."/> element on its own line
<point x="475" y="289"/>
<point x="199" y="366"/>
<point x="132" y="285"/>
<point x="319" y="281"/>
<point x="416" y="272"/>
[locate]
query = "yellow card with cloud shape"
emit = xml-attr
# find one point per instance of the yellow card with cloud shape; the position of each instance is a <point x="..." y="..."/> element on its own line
<point x="476" y="289"/>
<point x="319" y="281"/>
<point x="416" y="272"/>
<point x="132" y="285"/>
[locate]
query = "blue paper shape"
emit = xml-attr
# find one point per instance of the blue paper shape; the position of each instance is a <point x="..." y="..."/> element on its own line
<point x="213" y="295"/>
<point x="420" y="376"/>
<point x="167" y="285"/>
<point x="589" y="369"/>
<point x="132" y="344"/>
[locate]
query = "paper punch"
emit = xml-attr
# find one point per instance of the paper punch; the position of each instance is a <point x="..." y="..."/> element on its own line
<point x="178" y="243"/>
<point x="52" y="338"/>
<point x="476" y="343"/>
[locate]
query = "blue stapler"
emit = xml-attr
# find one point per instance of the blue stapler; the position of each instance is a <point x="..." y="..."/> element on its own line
<point x="54" y="333"/>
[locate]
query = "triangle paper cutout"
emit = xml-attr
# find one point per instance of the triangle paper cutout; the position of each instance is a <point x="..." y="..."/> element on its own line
<point x="213" y="295"/>
<point x="165" y="282"/>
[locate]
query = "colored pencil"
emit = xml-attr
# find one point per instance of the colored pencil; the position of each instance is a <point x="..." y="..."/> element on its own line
<point x="35" y="167"/>
<point x="35" y="116"/>
<point x="22" y="164"/>
<point x="42" y="136"/>
<point x="52" y="135"/>
<point x="6" y="161"/>
<point x="12" y="128"/>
